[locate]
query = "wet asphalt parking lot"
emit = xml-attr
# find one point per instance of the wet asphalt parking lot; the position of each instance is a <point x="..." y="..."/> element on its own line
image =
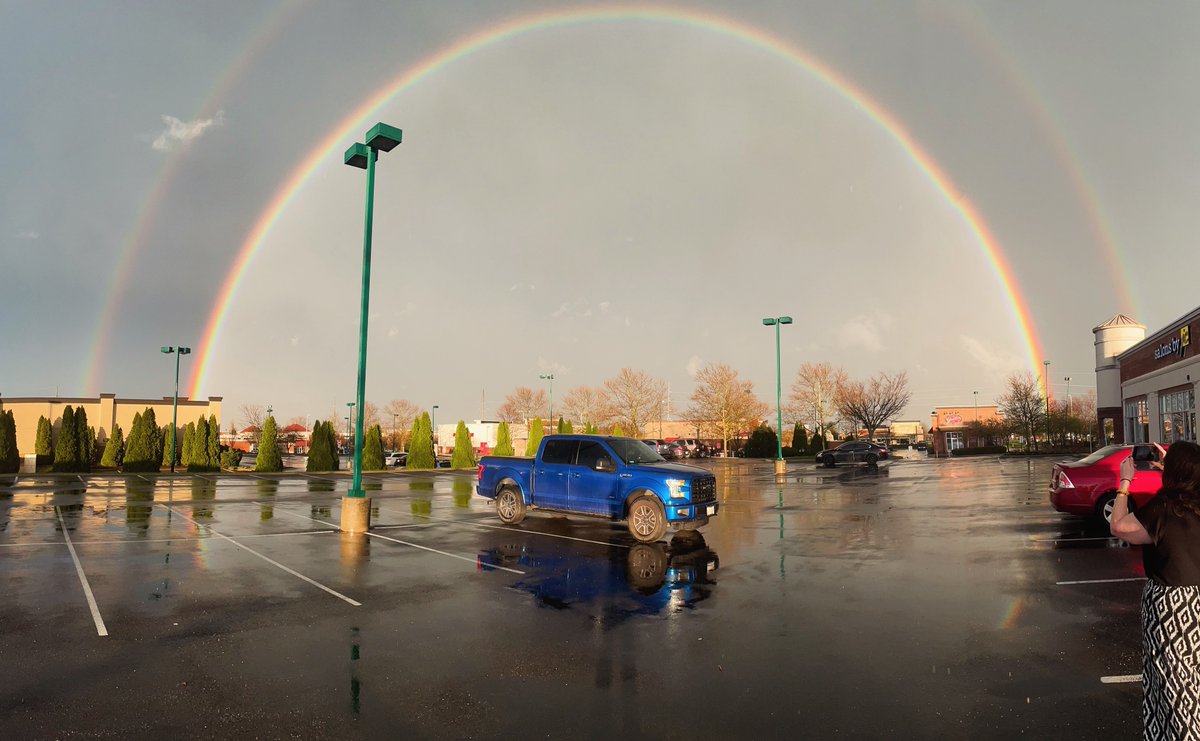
<point x="922" y="599"/>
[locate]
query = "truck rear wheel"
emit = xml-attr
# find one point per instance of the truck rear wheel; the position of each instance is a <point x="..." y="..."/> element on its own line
<point x="510" y="506"/>
<point x="647" y="519"/>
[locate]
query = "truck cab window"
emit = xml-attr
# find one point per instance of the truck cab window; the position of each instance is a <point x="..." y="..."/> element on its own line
<point x="559" y="451"/>
<point x="592" y="455"/>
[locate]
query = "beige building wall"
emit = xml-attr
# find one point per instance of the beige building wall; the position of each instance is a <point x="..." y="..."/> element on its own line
<point x="102" y="414"/>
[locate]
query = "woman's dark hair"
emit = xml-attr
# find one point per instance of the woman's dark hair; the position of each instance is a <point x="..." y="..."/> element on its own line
<point x="1181" y="475"/>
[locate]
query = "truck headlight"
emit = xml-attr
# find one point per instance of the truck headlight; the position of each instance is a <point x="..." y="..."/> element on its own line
<point x="678" y="488"/>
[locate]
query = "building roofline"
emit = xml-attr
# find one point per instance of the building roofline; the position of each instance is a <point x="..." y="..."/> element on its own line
<point x="1153" y="337"/>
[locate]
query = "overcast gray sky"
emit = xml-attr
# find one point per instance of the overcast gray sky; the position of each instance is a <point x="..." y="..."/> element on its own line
<point x="589" y="196"/>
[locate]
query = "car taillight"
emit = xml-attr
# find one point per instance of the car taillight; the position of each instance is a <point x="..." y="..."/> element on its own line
<point x="1063" y="481"/>
<point x="479" y="475"/>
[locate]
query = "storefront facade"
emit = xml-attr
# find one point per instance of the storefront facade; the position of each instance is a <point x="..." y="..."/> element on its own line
<point x="1158" y="391"/>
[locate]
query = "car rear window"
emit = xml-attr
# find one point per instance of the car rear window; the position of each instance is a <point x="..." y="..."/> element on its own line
<point x="1099" y="454"/>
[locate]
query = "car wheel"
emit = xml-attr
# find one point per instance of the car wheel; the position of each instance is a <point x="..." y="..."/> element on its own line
<point x="510" y="506"/>
<point x="872" y="459"/>
<point x="829" y="461"/>
<point x="1104" y="507"/>
<point x="646" y="567"/>
<point x="647" y="519"/>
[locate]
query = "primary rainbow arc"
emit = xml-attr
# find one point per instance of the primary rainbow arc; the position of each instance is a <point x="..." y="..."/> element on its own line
<point x="327" y="150"/>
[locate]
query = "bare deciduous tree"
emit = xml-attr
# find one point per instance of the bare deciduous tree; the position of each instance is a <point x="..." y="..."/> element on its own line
<point x="815" y="396"/>
<point x="631" y="397"/>
<point x="584" y="404"/>
<point x="522" y="404"/>
<point x="722" y="403"/>
<point x="1023" y="406"/>
<point x="874" y="402"/>
<point x="252" y="415"/>
<point x="404" y="412"/>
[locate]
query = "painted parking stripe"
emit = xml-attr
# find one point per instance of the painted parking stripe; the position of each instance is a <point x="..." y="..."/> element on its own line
<point x="168" y="540"/>
<point x="419" y="547"/>
<point x="1121" y="679"/>
<point x="531" y="532"/>
<point x="87" y="588"/>
<point x="1101" y="581"/>
<point x="1070" y="540"/>
<point x="271" y="561"/>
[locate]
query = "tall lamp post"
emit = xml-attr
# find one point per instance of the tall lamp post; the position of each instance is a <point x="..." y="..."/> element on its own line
<point x="1046" y="380"/>
<point x="550" y="377"/>
<point x="175" y="399"/>
<point x="394" y="446"/>
<point x="350" y="419"/>
<point x="356" y="508"/>
<point x="433" y="432"/>
<point x="780" y="464"/>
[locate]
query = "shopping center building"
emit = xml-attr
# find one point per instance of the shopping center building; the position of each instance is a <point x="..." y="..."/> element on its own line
<point x="1144" y="386"/>
<point x="103" y="412"/>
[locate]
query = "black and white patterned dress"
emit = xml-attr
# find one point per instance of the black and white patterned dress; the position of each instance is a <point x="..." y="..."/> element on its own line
<point x="1170" y="662"/>
<point x="1171" y="620"/>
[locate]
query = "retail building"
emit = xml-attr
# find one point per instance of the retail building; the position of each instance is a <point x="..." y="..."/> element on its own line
<point x="1144" y="386"/>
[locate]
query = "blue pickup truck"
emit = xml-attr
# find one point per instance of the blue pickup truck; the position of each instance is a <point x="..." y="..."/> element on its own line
<point x="614" y="477"/>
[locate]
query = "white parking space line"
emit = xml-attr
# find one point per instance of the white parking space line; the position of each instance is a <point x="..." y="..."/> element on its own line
<point x="527" y="532"/>
<point x="1069" y="540"/>
<point x="417" y="546"/>
<point x="1121" y="679"/>
<point x="271" y="561"/>
<point x="1101" y="581"/>
<point x="169" y="540"/>
<point x="87" y="588"/>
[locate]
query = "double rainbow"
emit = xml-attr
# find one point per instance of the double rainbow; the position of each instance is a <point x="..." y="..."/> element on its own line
<point x="328" y="150"/>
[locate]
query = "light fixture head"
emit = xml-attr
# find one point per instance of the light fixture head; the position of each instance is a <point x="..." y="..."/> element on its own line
<point x="185" y="351"/>
<point x="383" y="137"/>
<point x="167" y="349"/>
<point x="785" y="320"/>
<point x="768" y="322"/>
<point x="356" y="156"/>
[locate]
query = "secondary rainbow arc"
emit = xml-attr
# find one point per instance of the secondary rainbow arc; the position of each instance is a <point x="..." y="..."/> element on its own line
<point x="327" y="150"/>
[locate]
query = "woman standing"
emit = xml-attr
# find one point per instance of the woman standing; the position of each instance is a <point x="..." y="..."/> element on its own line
<point x="1169" y="528"/>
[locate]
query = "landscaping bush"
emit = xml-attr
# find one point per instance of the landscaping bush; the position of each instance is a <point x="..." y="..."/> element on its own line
<point x="10" y="458"/>
<point x="230" y="458"/>
<point x="44" y="447"/>
<point x="372" y="456"/>
<point x="536" y="433"/>
<point x="464" y="456"/>
<point x="420" y="448"/>
<point x="504" y="444"/>
<point x="763" y="443"/>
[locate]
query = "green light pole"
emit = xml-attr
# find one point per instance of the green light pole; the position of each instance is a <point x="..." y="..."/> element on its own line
<point x="381" y="137"/>
<point x="780" y="465"/>
<point x="550" y="377"/>
<point x="175" y="399"/>
<point x="1046" y="378"/>
<point x="349" y="419"/>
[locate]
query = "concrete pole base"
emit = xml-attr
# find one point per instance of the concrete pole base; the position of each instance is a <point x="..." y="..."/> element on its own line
<point x="780" y="467"/>
<point x="356" y="514"/>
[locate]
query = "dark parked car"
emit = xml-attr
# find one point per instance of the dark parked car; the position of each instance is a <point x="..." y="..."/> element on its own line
<point x="853" y="452"/>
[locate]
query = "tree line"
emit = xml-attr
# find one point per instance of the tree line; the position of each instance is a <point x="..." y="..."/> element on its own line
<point x="823" y="399"/>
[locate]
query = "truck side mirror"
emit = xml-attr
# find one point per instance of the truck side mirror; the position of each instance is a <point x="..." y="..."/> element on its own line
<point x="604" y="464"/>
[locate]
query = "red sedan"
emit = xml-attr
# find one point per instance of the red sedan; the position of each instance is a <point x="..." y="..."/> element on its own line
<point x="1089" y="485"/>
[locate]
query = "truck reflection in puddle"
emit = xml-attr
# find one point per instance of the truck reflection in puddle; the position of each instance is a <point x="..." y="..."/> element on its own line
<point x="644" y="579"/>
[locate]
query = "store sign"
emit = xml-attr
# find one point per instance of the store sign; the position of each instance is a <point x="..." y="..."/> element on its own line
<point x="1175" y="346"/>
<point x="952" y="420"/>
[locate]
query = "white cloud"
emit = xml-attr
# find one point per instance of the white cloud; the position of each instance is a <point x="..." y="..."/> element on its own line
<point x="28" y="234"/>
<point x="563" y="309"/>
<point x="181" y="132"/>
<point x="393" y="332"/>
<point x="295" y="341"/>
<point x="998" y="361"/>
<point x="865" y="331"/>
<point x="693" y="365"/>
<point x="409" y="309"/>
<point x="604" y="305"/>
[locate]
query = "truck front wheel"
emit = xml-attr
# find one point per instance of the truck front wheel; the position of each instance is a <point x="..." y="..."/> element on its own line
<point x="647" y="520"/>
<point x="510" y="506"/>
